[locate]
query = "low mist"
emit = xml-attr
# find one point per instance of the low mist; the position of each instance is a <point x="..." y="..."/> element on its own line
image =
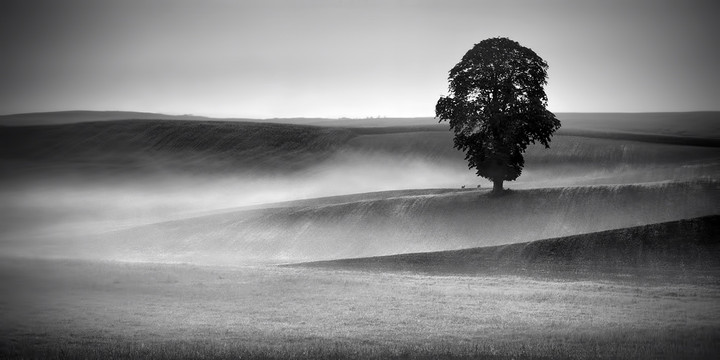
<point x="66" y="207"/>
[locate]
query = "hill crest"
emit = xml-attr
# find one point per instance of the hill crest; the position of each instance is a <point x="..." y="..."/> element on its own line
<point x="698" y="124"/>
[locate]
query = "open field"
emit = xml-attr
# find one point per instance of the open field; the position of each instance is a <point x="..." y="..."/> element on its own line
<point x="90" y="309"/>
<point x="161" y="237"/>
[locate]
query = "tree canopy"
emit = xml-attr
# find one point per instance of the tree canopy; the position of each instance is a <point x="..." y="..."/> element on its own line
<point x="497" y="106"/>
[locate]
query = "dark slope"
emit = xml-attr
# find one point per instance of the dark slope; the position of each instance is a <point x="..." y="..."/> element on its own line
<point x="198" y="146"/>
<point x="669" y="247"/>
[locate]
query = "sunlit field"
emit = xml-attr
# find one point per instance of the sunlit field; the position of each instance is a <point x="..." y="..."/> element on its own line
<point x="172" y="238"/>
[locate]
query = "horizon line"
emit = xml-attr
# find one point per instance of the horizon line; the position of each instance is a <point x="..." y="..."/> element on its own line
<point x="327" y="118"/>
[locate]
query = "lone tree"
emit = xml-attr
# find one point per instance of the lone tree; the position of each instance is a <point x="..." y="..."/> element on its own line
<point x="497" y="107"/>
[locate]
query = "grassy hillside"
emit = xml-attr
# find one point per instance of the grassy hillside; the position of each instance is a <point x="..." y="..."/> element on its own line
<point x="392" y="225"/>
<point x="669" y="247"/>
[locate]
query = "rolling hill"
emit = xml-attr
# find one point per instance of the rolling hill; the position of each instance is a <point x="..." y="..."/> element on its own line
<point x="200" y="147"/>
<point x="698" y="124"/>
<point x="674" y="247"/>
<point x="392" y="225"/>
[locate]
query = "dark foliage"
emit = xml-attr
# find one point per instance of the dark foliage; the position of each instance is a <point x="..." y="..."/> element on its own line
<point x="497" y="107"/>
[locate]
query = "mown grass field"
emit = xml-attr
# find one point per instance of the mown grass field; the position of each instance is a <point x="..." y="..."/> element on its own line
<point x="69" y="309"/>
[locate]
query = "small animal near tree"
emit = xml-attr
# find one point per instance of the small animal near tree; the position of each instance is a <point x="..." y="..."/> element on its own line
<point x="497" y="106"/>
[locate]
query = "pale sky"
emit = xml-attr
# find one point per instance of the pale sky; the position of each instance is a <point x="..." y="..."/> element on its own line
<point x="342" y="58"/>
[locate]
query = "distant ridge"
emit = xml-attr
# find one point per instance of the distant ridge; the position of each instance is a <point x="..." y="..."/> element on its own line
<point x="698" y="124"/>
<point x="81" y="116"/>
<point x="668" y="247"/>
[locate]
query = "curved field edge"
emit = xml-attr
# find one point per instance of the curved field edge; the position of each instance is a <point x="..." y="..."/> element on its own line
<point x="690" y="246"/>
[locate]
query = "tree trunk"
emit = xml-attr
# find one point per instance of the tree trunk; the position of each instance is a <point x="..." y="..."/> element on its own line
<point x="497" y="186"/>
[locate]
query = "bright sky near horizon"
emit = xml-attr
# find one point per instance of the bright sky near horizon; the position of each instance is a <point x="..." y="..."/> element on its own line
<point x="342" y="58"/>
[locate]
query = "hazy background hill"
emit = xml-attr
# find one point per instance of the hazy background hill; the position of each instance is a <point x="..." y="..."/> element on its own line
<point x="79" y="116"/>
<point x="700" y="124"/>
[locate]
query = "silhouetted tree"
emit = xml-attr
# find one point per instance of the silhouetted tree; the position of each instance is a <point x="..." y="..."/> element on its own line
<point x="497" y="107"/>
